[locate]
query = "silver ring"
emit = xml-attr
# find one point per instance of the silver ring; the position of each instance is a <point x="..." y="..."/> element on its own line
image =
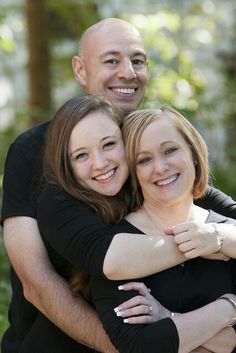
<point x="149" y="309"/>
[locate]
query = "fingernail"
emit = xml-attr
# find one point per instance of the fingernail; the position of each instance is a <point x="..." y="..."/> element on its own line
<point x="120" y="287"/>
<point x="116" y="309"/>
<point x="126" y="321"/>
<point x="119" y="313"/>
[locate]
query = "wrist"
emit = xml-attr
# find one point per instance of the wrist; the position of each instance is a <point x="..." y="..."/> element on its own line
<point x="219" y="237"/>
<point x="232" y="302"/>
<point x="173" y="314"/>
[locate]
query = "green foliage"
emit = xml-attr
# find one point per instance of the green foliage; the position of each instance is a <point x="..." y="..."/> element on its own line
<point x="4" y="288"/>
<point x="69" y="18"/>
<point x="224" y="179"/>
<point x="4" y="281"/>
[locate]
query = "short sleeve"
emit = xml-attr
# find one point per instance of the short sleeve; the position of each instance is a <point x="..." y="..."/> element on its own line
<point x="22" y="174"/>
<point x="17" y="181"/>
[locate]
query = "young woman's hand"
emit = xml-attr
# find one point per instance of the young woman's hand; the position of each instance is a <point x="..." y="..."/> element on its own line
<point x="197" y="239"/>
<point x="141" y="309"/>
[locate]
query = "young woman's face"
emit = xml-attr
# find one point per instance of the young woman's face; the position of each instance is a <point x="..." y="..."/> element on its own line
<point x="164" y="164"/>
<point x="97" y="154"/>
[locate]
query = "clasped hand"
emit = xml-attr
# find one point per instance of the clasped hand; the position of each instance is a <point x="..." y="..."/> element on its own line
<point x="141" y="309"/>
<point x="197" y="239"/>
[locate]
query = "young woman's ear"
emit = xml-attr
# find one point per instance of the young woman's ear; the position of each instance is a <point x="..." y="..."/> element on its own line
<point x="79" y="69"/>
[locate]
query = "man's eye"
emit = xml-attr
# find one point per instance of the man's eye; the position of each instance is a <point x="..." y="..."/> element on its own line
<point x="111" y="61"/>
<point x="138" y="62"/>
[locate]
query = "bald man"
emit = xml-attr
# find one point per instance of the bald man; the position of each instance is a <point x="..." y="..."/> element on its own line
<point x="112" y="62"/>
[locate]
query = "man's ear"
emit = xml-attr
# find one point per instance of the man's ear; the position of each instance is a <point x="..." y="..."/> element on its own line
<point x="79" y="69"/>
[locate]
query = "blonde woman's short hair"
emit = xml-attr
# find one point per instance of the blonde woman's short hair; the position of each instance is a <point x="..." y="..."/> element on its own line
<point x="133" y="128"/>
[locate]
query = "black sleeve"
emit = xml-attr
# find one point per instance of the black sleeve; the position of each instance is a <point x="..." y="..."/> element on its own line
<point x="22" y="173"/>
<point x="73" y="230"/>
<point x="17" y="181"/>
<point x="219" y="202"/>
<point x="161" y="336"/>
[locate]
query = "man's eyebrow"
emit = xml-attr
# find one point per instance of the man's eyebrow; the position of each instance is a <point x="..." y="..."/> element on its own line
<point x="117" y="53"/>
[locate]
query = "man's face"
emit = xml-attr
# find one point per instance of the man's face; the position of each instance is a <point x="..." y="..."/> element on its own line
<point x="115" y="66"/>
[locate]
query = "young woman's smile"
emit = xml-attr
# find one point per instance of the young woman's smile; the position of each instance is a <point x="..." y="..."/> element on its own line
<point x="97" y="154"/>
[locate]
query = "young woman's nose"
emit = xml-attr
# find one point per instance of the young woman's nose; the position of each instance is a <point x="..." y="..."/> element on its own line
<point x="99" y="161"/>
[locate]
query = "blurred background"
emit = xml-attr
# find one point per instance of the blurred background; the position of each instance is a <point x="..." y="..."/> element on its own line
<point x="192" y="51"/>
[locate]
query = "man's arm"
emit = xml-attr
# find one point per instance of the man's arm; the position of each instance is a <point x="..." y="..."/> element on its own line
<point x="46" y="290"/>
<point x="219" y="202"/>
<point x="223" y="342"/>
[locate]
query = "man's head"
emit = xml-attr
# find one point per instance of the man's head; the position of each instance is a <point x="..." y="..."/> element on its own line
<point x="112" y="62"/>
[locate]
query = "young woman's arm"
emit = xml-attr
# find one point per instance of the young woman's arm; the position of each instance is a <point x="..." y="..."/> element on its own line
<point x="80" y="236"/>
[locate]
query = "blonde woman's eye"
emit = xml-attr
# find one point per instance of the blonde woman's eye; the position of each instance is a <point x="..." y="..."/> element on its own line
<point x="143" y="160"/>
<point x="171" y="150"/>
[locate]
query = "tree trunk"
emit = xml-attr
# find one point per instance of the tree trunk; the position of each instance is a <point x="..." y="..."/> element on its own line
<point x="39" y="60"/>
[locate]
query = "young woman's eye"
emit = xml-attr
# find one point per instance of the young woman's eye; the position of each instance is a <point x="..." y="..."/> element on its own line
<point x="81" y="156"/>
<point x="109" y="144"/>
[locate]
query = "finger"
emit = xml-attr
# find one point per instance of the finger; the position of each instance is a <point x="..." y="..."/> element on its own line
<point x="192" y="254"/>
<point x="182" y="237"/>
<point x="135" y="311"/>
<point x="135" y="301"/>
<point x="144" y="319"/>
<point x="187" y="246"/>
<point x="138" y="286"/>
<point x="180" y="228"/>
<point x="169" y="231"/>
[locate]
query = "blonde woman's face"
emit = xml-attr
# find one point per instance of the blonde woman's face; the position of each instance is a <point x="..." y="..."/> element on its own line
<point x="164" y="164"/>
<point x="97" y="154"/>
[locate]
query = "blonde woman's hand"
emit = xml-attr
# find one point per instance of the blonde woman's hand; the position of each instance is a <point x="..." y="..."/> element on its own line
<point x="141" y="309"/>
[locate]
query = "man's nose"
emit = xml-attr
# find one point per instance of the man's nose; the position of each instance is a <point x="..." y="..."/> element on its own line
<point x="126" y="70"/>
